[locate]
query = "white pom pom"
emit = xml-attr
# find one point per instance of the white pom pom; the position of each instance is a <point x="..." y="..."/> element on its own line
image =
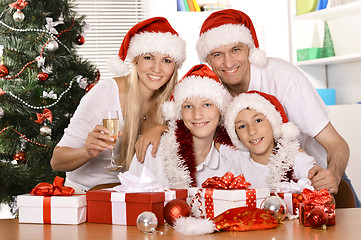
<point x="289" y="131"/>
<point x="194" y="226"/>
<point x="168" y="110"/>
<point x="258" y="57"/>
<point x="117" y="67"/>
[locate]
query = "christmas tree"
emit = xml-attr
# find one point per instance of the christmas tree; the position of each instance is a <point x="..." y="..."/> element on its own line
<point x="42" y="80"/>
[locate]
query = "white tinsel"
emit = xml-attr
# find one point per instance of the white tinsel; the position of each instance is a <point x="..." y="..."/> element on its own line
<point x="194" y="226"/>
<point x="282" y="161"/>
<point x="176" y="173"/>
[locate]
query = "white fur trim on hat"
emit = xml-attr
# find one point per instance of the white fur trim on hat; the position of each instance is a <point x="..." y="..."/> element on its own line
<point x="164" y="43"/>
<point x="257" y="57"/>
<point x="260" y="104"/>
<point x="117" y="67"/>
<point x="195" y="86"/>
<point x="223" y="35"/>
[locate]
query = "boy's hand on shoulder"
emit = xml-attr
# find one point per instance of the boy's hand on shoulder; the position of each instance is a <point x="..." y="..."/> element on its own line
<point x="323" y="178"/>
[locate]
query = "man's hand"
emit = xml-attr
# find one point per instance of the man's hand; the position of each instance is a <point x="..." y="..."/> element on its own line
<point x="323" y="178"/>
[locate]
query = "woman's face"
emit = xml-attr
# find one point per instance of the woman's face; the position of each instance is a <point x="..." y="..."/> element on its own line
<point x="201" y="116"/>
<point x="155" y="70"/>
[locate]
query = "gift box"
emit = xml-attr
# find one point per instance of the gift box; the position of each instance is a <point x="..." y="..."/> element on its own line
<point x="317" y="200"/>
<point x="212" y="202"/>
<point x="52" y="209"/>
<point x="112" y="207"/>
<point x="328" y="208"/>
<point x="292" y="201"/>
<point x="309" y="53"/>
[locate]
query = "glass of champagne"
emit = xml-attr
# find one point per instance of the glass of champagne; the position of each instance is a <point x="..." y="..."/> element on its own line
<point x="111" y="122"/>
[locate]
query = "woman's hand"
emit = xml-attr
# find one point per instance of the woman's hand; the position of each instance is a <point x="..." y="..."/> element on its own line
<point x="152" y="136"/>
<point x="97" y="141"/>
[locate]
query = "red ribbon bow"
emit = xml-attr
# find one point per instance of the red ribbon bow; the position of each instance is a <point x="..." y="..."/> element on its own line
<point x="55" y="189"/>
<point x="19" y="4"/>
<point x="45" y="115"/>
<point x="316" y="197"/>
<point x="228" y="181"/>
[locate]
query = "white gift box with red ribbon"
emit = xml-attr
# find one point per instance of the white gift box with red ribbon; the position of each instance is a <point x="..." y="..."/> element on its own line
<point x="52" y="209"/>
<point x="211" y="202"/>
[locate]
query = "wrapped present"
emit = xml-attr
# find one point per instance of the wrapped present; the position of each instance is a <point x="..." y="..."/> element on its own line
<point x="317" y="200"/>
<point x="53" y="204"/>
<point x="291" y="193"/>
<point x="112" y="207"/>
<point x="227" y="192"/>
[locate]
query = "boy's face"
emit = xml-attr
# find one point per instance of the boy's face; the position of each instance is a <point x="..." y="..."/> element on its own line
<point x="201" y="116"/>
<point x="255" y="132"/>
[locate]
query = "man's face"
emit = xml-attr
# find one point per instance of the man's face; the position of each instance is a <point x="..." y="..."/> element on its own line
<point x="230" y="63"/>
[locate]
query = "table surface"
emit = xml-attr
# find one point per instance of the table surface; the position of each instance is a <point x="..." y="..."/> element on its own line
<point x="348" y="227"/>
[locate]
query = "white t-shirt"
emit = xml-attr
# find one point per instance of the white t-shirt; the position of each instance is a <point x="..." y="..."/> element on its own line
<point x="213" y="165"/>
<point x="103" y="96"/>
<point x="256" y="173"/>
<point x="303" y="105"/>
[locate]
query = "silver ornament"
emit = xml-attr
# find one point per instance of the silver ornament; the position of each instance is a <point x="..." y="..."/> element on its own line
<point x="2" y="113"/>
<point x="147" y="222"/>
<point x="18" y="16"/>
<point x="52" y="46"/>
<point x="45" y="131"/>
<point x="276" y="206"/>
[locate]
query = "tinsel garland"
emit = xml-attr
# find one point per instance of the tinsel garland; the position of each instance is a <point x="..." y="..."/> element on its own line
<point x="186" y="151"/>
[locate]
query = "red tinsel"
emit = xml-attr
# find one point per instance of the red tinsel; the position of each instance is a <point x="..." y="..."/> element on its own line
<point x="185" y="151"/>
<point x="222" y="136"/>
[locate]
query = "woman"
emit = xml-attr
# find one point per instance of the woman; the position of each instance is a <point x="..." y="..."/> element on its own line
<point x="186" y="155"/>
<point x="156" y="52"/>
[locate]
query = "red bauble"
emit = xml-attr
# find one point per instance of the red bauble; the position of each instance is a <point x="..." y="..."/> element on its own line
<point x="43" y="76"/>
<point x="4" y="70"/>
<point x="80" y="40"/>
<point x="20" y="157"/>
<point x="317" y="218"/>
<point x="174" y="209"/>
<point x="90" y="86"/>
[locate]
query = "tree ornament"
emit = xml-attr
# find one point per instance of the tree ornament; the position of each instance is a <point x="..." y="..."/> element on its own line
<point x="18" y="16"/>
<point x="2" y="112"/>
<point x="45" y="131"/>
<point x="328" y="49"/>
<point x="4" y="70"/>
<point x="52" y="46"/>
<point x="20" y="157"/>
<point x="43" y="76"/>
<point x="97" y="76"/>
<point x="276" y="206"/>
<point x="80" y="40"/>
<point x="317" y="218"/>
<point x="147" y="222"/>
<point x="174" y="209"/>
<point x="90" y="86"/>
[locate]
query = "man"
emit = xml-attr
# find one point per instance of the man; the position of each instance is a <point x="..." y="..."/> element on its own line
<point x="228" y="43"/>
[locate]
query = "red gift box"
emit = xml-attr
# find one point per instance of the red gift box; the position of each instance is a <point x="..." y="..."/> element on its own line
<point x="292" y="201"/>
<point x="107" y="206"/>
<point x="317" y="200"/>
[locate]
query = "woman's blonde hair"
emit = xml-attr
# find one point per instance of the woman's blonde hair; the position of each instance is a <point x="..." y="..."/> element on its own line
<point x="133" y="115"/>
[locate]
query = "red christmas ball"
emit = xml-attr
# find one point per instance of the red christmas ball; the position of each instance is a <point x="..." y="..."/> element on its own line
<point x="43" y="76"/>
<point x="80" y="40"/>
<point x="174" y="209"/>
<point x="20" y="157"/>
<point x="4" y="70"/>
<point x="317" y="218"/>
<point x="90" y="86"/>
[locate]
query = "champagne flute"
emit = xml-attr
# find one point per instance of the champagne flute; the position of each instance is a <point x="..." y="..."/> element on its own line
<point x="111" y="122"/>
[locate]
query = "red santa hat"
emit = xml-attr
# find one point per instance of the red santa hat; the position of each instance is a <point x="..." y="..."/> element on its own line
<point x="263" y="103"/>
<point x="151" y="35"/>
<point x="199" y="81"/>
<point x="226" y="27"/>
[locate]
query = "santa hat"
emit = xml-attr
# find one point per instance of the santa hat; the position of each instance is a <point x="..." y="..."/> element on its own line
<point x="199" y="81"/>
<point x="226" y="27"/>
<point x="151" y="35"/>
<point x="263" y="103"/>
